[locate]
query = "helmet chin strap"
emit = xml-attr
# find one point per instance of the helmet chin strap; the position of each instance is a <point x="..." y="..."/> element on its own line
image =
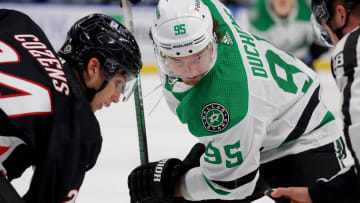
<point x="91" y="92"/>
<point x="102" y="86"/>
<point x="338" y="31"/>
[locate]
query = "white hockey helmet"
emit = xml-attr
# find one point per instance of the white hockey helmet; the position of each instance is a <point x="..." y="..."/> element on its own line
<point x="182" y="28"/>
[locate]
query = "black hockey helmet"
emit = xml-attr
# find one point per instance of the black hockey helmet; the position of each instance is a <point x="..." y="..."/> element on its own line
<point x="322" y="11"/>
<point x="103" y="37"/>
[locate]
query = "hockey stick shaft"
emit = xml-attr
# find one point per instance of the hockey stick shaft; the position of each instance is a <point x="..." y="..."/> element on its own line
<point x="139" y="107"/>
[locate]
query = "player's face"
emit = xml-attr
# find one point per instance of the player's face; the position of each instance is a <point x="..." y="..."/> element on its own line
<point x="111" y="93"/>
<point x="282" y="7"/>
<point x="191" y="68"/>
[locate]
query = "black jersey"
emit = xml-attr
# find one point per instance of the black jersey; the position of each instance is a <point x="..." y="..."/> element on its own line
<point x="45" y="118"/>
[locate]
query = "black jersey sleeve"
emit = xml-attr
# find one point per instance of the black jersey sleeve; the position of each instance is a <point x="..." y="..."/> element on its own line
<point x="342" y="188"/>
<point x="58" y="177"/>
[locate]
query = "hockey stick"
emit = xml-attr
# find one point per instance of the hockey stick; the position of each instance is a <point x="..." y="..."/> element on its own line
<point x="139" y="107"/>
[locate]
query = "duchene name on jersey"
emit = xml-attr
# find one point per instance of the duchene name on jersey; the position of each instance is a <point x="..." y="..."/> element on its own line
<point x="47" y="59"/>
<point x="252" y="54"/>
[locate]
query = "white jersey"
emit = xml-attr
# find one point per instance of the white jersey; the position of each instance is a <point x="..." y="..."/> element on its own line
<point x="346" y="71"/>
<point x="293" y="34"/>
<point x="257" y="104"/>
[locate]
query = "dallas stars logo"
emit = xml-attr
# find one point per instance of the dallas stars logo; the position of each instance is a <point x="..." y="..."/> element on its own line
<point x="215" y="117"/>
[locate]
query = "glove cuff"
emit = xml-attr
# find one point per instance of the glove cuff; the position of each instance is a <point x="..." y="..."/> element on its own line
<point x="162" y="175"/>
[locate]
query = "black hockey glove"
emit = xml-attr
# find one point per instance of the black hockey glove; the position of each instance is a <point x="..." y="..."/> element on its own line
<point x="192" y="159"/>
<point x="155" y="182"/>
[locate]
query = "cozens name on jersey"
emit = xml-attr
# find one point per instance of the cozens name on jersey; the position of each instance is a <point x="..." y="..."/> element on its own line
<point x="182" y="45"/>
<point x="47" y="60"/>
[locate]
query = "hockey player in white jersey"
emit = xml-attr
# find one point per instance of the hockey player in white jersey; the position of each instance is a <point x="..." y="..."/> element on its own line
<point x="286" y="23"/>
<point x="255" y="108"/>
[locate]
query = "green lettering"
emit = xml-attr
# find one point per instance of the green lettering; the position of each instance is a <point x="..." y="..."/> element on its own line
<point x="255" y="61"/>
<point x="233" y="153"/>
<point x="252" y="53"/>
<point x="179" y="29"/>
<point x="212" y="155"/>
<point x="247" y="40"/>
<point x="259" y="72"/>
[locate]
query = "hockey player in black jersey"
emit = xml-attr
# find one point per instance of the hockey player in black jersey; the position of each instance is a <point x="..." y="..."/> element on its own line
<point x="338" y="22"/>
<point x="47" y="100"/>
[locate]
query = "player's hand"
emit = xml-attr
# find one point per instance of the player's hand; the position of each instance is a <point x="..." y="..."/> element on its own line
<point x="155" y="182"/>
<point x="295" y="194"/>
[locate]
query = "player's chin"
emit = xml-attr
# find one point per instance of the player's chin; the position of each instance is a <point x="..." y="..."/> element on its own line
<point x="96" y="107"/>
<point x="192" y="81"/>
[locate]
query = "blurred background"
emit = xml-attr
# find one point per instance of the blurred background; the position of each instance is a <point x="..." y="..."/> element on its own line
<point x="291" y="33"/>
<point x="143" y="2"/>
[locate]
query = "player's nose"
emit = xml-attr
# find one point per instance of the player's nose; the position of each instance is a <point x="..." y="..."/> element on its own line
<point x="115" y="98"/>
